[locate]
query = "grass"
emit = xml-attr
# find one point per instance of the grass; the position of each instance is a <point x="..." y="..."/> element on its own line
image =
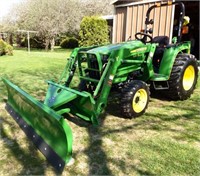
<point x="164" y="141"/>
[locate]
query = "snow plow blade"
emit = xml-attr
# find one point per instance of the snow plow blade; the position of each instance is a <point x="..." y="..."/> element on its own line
<point x="48" y="130"/>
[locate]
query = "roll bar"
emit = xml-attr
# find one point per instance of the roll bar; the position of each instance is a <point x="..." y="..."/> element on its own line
<point x="182" y="14"/>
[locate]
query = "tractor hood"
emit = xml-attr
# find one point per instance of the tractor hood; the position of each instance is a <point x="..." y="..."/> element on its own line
<point x="107" y="49"/>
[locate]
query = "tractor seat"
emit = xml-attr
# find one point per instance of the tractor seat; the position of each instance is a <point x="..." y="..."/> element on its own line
<point x="162" y="41"/>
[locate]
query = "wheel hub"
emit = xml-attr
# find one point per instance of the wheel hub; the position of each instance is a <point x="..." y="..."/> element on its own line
<point x="188" y="78"/>
<point x="139" y="100"/>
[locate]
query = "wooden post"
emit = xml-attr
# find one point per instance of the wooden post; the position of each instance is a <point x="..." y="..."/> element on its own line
<point x="28" y="37"/>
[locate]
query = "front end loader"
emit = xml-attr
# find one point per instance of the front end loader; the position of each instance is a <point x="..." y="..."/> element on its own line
<point x="131" y="67"/>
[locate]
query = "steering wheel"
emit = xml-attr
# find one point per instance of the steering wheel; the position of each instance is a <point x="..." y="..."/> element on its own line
<point x="144" y="37"/>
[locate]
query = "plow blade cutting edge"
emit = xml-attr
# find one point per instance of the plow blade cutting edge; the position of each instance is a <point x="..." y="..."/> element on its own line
<point x="47" y="129"/>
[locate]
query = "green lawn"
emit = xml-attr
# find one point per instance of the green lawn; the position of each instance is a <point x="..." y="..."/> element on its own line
<point x="164" y="141"/>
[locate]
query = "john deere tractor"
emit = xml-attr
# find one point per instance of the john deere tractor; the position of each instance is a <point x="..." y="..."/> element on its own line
<point x="131" y="66"/>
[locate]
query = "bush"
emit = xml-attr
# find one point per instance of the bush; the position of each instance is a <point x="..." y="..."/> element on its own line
<point x="2" y="47"/>
<point x="5" y="48"/>
<point x="93" y="31"/>
<point x="9" y="50"/>
<point x="69" y="43"/>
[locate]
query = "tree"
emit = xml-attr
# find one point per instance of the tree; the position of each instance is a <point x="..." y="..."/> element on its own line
<point x="8" y="26"/>
<point x="97" y="7"/>
<point x="62" y="17"/>
<point x="93" y="31"/>
<point x="52" y="18"/>
<point x="49" y="17"/>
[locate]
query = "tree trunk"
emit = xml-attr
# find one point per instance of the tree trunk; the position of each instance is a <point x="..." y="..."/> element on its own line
<point x="11" y="39"/>
<point x="47" y="42"/>
<point x="52" y="44"/>
<point x="18" y="40"/>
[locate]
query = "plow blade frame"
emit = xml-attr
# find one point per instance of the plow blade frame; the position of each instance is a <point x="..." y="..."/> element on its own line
<point x="80" y="104"/>
<point x="48" y="130"/>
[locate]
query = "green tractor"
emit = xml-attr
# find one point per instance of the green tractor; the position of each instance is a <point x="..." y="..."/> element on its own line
<point x="132" y="66"/>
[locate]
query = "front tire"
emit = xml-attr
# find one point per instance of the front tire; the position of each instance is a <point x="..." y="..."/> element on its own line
<point x="183" y="77"/>
<point x="135" y="99"/>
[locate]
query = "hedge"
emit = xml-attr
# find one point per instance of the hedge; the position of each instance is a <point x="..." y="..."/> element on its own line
<point x="93" y="31"/>
<point x="69" y="43"/>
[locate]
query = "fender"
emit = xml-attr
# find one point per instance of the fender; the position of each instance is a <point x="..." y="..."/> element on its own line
<point x="170" y="55"/>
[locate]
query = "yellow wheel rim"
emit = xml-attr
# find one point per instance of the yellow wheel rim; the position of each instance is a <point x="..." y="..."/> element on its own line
<point x="139" y="100"/>
<point x="188" y="77"/>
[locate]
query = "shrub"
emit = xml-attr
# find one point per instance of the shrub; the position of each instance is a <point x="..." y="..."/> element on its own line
<point x="69" y="43"/>
<point x="2" y="47"/>
<point x="5" y="48"/>
<point x="93" y="31"/>
<point x="9" y="50"/>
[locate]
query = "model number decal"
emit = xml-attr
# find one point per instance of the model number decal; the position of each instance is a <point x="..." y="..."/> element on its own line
<point x="138" y="50"/>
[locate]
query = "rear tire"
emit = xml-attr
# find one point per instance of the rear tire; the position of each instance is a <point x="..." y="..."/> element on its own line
<point x="183" y="77"/>
<point x="135" y="99"/>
